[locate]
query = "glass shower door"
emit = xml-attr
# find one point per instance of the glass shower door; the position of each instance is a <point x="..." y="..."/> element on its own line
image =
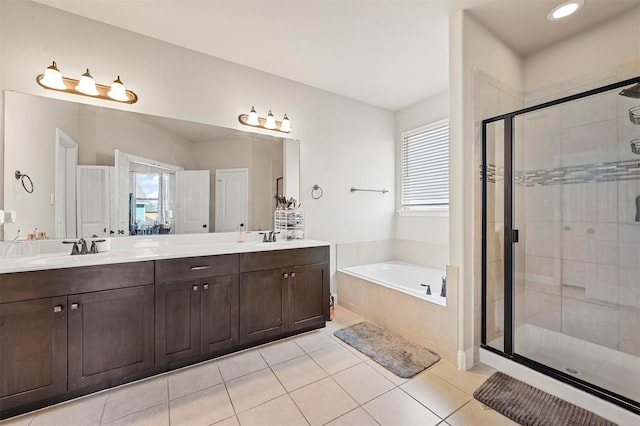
<point x="575" y="182"/>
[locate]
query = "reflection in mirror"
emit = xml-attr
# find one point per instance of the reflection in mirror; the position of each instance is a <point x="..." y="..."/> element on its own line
<point x="106" y="172"/>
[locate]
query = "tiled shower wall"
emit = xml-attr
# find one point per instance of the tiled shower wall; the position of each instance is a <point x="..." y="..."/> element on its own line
<point x="581" y="179"/>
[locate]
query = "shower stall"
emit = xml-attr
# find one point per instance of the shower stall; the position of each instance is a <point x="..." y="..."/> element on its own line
<point x="561" y="240"/>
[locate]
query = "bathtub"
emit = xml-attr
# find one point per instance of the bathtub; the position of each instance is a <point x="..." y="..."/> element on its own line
<point x="403" y="277"/>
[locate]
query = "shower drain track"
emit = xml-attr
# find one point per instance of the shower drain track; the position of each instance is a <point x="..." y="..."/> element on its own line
<point x="572" y="371"/>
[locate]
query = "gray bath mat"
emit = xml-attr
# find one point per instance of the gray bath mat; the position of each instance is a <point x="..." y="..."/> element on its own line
<point x="389" y="350"/>
<point x="529" y="406"/>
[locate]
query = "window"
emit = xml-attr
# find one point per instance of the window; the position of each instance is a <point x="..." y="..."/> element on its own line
<point x="424" y="167"/>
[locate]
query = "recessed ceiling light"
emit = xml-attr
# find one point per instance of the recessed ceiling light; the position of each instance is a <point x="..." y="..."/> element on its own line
<point x="565" y="9"/>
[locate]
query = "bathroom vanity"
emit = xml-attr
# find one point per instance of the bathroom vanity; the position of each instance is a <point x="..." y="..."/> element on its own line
<point x="102" y="320"/>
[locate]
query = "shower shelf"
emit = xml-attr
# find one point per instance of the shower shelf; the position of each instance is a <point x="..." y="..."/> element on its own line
<point x="634" y="114"/>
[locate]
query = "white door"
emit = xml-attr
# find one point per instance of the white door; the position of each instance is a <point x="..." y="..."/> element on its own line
<point x="93" y="186"/>
<point x="192" y="195"/>
<point x="65" y="185"/>
<point x="231" y="199"/>
<point x="121" y="191"/>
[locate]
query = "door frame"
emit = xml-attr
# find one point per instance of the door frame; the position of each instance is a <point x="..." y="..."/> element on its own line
<point x="65" y="196"/>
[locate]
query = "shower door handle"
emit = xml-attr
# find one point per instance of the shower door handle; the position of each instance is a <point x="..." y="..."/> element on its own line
<point x="513" y="235"/>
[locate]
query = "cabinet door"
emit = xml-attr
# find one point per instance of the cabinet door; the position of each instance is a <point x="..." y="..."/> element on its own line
<point x="219" y="313"/>
<point x="308" y="295"/>
<point x="263" y="304"/>
<point x="177" y="321"/>
<point x="33" y="351"/>
<point x="110" y="335"/>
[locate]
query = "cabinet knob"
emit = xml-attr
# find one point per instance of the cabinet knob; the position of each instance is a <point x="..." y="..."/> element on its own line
<point x="293" y="275"/>
<point x="57" y="308"/>
<point x="194" y="288"/>
<point x="205" y="287"/>
<point x="75" y="306"/>
<point x="285" y="275"/>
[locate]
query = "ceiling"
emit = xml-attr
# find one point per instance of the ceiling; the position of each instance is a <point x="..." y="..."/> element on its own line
<point x="388" y="53"/>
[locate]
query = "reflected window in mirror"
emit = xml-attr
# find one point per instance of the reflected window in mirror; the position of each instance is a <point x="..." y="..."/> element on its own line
<point x="151" y="211"/>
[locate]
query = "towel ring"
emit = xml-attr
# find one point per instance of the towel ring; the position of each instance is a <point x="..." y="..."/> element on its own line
<point x="314" y="193"/>
<point x="20" y="177"/>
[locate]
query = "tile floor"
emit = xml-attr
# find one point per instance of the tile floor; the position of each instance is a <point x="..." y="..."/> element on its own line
<point x="311" y="379"/>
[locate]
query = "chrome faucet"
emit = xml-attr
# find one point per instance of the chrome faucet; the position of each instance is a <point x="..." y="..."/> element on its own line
<point x="79" y="247"/>
<point x="269" y="237"/>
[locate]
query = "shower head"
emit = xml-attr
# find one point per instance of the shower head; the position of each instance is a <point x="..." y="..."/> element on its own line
<point x="631" y="92"/>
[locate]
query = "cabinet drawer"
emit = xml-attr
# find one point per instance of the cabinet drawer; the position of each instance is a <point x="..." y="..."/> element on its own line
<point x="60" y="282"/>
<point x="189" y="268"/>
<point x="258" y="261"/>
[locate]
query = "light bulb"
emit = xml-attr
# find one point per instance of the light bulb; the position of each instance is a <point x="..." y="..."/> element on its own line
<point x="286" y="124"/>
<point x="52" y="78"/>
<point x="271" y="121"/>
<point x="118" y="91"/>
<point x="87" y="85"/>
<point x="565" y="9"/>
<point x="253" y="117"/>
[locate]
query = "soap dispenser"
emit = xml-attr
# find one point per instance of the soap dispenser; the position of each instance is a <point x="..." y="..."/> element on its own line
<point x="240" y="233"/>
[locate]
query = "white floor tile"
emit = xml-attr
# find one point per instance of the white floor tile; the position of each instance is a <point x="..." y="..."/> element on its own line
<point x="243" y="363"/>
<point x="467" y="381"/>
<point x="315" y="341"/>
<point x="436" y="394"/>
<point x="193" y="379"/>
<point x="357" y="417"/>
<point x="397" y="408"/>
<point x="231" y="421"/>
<point x="83" y="412"/>
<point x="254" y="389"/>
<point x="335" y="358"/>
<point x="475" y="413"/>
<point x="135" y="397"/>
<point x="362" y="382"/>
<point x="201" y="408"/>
<point x="396" y="380"/>
<point x="154" y="416"/>
<point x="280" y="411"/>
<point x="298" y="372"/>
<point x="323" y="401"/>
<point x="279" y="352"/>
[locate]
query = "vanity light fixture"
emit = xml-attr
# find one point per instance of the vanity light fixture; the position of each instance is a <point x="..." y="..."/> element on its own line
<point x="270" y="123"/>
<point x="52" y="79"/>
<point x="87" y="85"/>
<point x="565" y="9"/>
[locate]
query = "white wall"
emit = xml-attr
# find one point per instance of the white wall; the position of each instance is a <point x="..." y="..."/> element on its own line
<point x="431" y="229"/>
<point x="264" y="161"/>
<point x="614" y="42"/>
<point x="344" y="143"/>
<point x="473" y="49"/>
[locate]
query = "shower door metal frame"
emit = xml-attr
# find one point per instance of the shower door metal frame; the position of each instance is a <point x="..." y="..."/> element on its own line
<point x="511" y="238"/>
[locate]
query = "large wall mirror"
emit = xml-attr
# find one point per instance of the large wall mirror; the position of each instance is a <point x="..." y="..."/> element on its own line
<point x="104" y="172"/>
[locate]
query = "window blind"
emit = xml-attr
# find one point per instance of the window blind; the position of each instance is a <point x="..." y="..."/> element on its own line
<point x="424" y="166"/>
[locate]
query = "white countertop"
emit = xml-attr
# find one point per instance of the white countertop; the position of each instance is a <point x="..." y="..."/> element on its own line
<point x="137" y="249"/>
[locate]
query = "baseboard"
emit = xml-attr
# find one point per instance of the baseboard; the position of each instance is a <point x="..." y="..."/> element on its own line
<point x="465" y="359"/>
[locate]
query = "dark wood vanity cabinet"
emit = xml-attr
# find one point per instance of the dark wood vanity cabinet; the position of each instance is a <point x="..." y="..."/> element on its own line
<point x="68" y="332"/>
<point x="110" y="335"/>
<point x="66" y="329"/>
<point x="33" y="350"/>
<point x="197" y="315"/>
<point x="292" y="296"/>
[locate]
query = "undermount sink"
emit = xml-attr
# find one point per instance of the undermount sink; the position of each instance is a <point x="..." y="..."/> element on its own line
<point x="275" y="243"/>
<point x="50" y="259"/>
